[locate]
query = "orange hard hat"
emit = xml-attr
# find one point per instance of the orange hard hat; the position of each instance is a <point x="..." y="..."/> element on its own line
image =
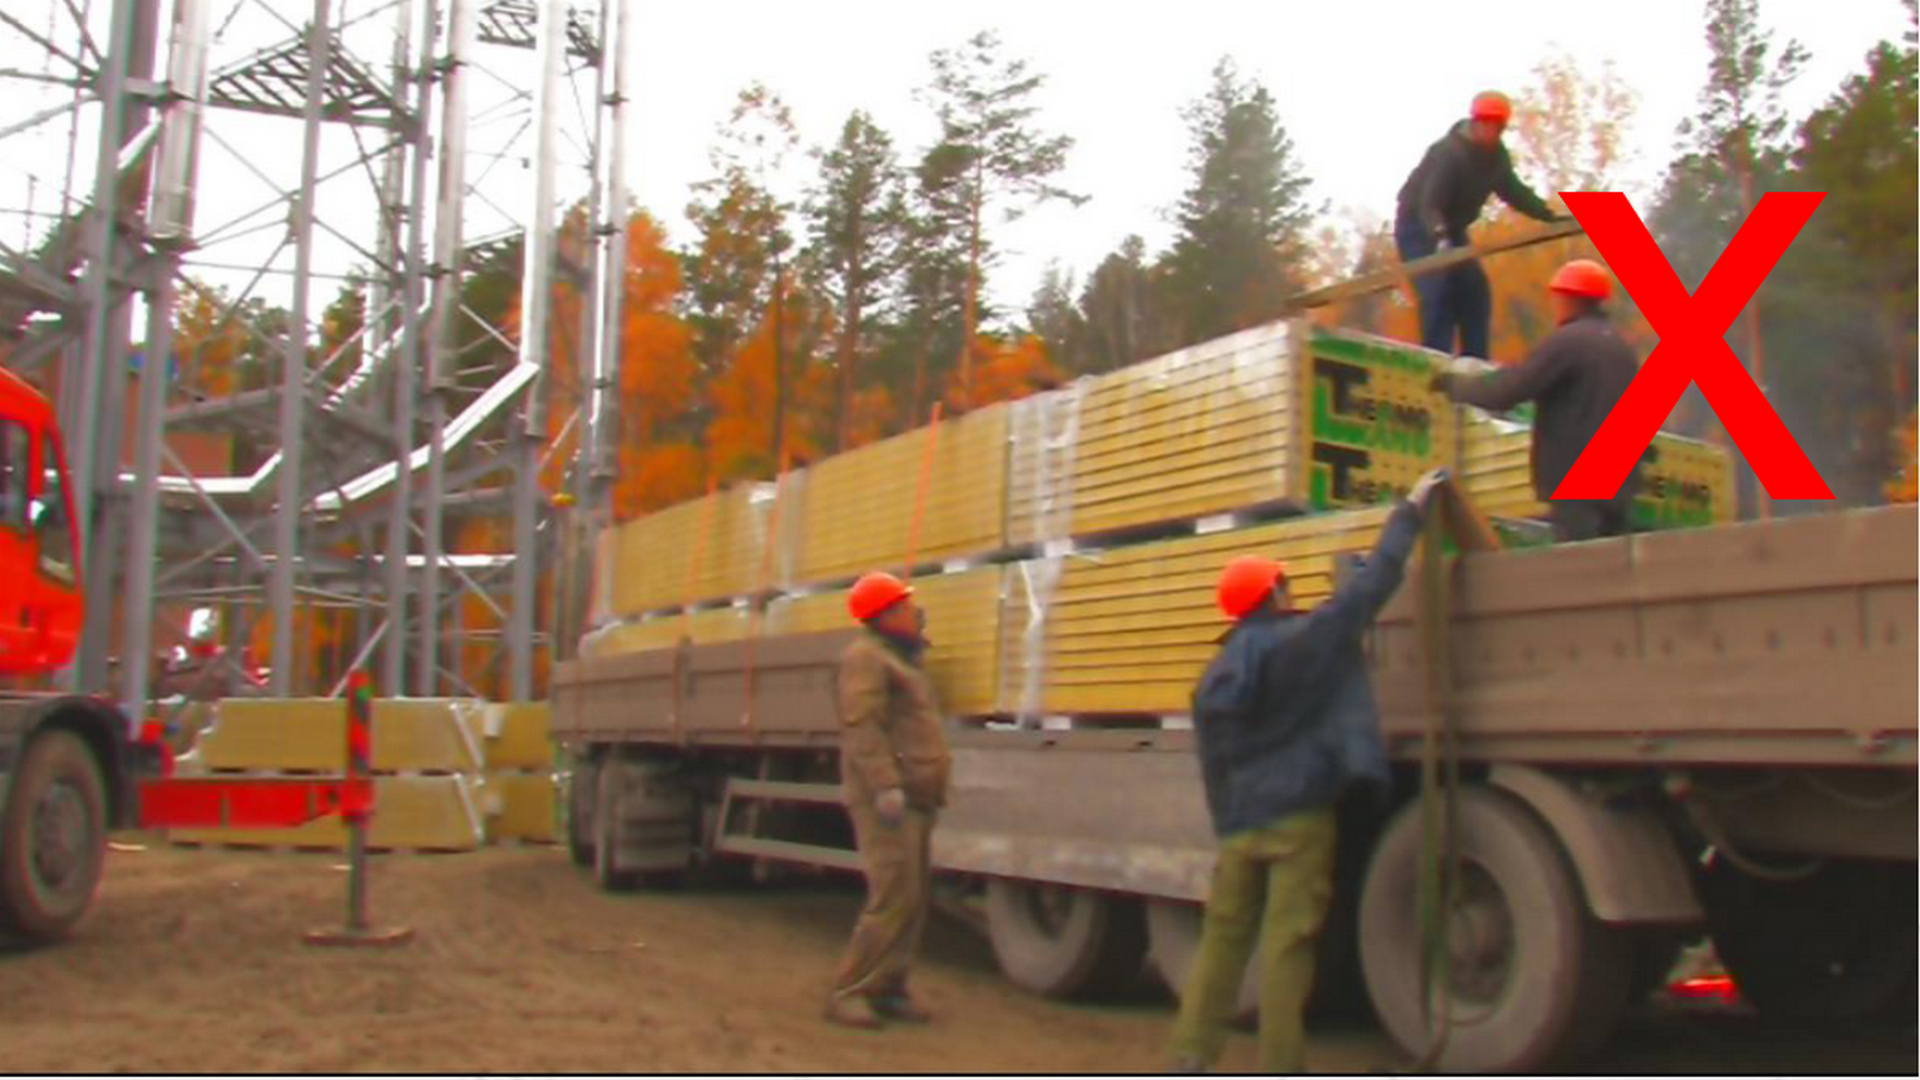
<point x="1583" y="277"/>
<point x="1247" y="581"/>
<point x="1491" y="105"/>
<point x="874" y="594"/>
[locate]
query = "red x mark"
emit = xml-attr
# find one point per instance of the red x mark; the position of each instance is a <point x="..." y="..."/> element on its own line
<point x="1691" y="347"/>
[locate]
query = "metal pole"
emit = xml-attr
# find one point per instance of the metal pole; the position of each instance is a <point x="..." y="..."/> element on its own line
<point x="442" y="350"/>
<point x="94" y="416"/>
<point x="535" y="299"/>
<point x="170" y="225"/>
<point x="394" y="657"/>
<point x="293" y="372"/>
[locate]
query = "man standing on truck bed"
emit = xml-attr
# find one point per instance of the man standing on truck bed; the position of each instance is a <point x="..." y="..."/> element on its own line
<point x="1575" y="377"/>
<point x="1284" y="721"/>
<point x="1445" y="194"/>
<point x="894" y="767"/>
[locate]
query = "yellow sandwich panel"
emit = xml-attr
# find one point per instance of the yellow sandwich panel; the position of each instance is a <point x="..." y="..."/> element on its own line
<point x="309" y="735"/>
<point x="518" y="736"/>
<point x="433" y="813"/>
<point x="522" y="807"/>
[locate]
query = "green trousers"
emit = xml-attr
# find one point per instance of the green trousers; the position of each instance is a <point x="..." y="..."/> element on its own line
<point x="1271" y="884"/>
<point x="899" y="871"/>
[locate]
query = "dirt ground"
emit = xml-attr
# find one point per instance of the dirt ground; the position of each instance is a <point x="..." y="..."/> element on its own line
<point x="193" y="962"/>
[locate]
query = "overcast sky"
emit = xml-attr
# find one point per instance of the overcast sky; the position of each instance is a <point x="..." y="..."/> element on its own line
<point x="1362" y="88"/>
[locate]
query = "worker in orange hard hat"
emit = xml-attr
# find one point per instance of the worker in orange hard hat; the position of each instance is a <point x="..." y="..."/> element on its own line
<point x="894" y="766"/>
<point x="1285" y="724"/>
<point x="1574" y="377"/>
<point x="1441" y="198"/>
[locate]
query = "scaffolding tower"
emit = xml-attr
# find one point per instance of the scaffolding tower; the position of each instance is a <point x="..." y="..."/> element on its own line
<point x="235" y="443"/>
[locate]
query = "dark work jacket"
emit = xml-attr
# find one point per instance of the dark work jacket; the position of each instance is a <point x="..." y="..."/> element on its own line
<point x="1284" y="716"/>
<point x="1447" y="190"/>
<point x="1574" y="378"/>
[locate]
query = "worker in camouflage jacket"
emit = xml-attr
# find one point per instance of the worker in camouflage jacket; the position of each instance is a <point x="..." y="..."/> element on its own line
<point x="1574" y="377"/>
<point x="1443" y="196"/>
<point x="1285" y="723"/>
<point x="894" y="766"/>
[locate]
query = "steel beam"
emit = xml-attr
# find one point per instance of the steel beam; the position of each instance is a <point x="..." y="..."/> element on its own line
<point x="293" y="375"/>
<point x="536" y="295"/>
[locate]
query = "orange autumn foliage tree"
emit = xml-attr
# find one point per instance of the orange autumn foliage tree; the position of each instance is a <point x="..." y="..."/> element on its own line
<point x="654" y="399"/>
<point x="1003" y="371"/>
<point x="744" y="398"/>
<point x="209" y="347"/>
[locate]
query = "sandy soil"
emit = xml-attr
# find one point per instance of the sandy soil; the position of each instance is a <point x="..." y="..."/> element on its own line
<point x="193" y="962"/>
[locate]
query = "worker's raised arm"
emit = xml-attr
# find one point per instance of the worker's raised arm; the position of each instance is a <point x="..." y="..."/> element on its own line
<point x="867" y="749"/>
<point x="1517" y="194"/>
<point x="1501" y="390"/>
<point x="1352" y="607"/>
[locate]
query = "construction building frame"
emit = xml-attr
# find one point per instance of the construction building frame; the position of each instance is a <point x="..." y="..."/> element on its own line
<point x="412" y="168"/>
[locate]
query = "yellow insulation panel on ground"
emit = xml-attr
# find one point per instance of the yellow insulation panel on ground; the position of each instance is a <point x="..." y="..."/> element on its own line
<point x="857" y="508"/>
<point x="520" y="807"/>
<point x="309" y="734"/>
<point x="715" y="546"/>
<point x="1130" y="629"/>
<point x="518" y="736"/>
<point x="432" y="813"/>
<point x="963" y="621"/>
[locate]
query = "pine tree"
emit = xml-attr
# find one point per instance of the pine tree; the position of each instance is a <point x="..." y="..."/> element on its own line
<point x="1053" y="318"/>
<point x="857" y="224"/>
<point x="1242" y="220"/>
<point x="990" y="156"/>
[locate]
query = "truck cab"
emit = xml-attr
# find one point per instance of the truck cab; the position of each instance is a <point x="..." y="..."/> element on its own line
<point x="41" y="605"/>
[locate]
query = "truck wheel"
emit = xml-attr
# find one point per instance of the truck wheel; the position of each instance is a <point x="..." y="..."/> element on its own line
<point x="583" y="791"/>
<point x="1532" y="974"/>
<point x="643" y="821"/>
<point x="1837" y="945"/>
<point x="1062" y="941"/>
<point x="1173" y="933"/>
<point x="53" y="843"/>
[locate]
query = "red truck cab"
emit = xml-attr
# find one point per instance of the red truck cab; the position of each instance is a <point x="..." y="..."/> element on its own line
<point x="41" y="603"/>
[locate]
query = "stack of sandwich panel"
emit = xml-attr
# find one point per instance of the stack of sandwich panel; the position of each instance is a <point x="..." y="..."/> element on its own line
<point x="714" y="546"/>
<point x="703" y="627"/>
<point x="1369" y="426"/>
<point x="857" y="509"/>
<point x="428" y="757"/>
<point x="1684" y="482"/>
<point x="1129" y="629"/>
<point x="519" y="778"/>
<point x="963" y="621"/>
<point x="1199" y="431"/>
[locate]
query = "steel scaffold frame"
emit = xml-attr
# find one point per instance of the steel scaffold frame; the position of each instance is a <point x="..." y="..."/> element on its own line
<point x="380" y="438"/>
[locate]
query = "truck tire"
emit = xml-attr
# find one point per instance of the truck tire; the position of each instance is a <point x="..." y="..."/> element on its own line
<point x="53" y="842"/>
<point x="583" y="791"/>
<point x="1065" y="942"/>
<point x="643" y="822"/>
<point x="1837" y="945"/>
<point x="1173" y="936"/>
<point x="1534" y="977"/>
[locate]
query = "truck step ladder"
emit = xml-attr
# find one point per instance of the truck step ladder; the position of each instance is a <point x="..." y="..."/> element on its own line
<point x="748" y="843"/>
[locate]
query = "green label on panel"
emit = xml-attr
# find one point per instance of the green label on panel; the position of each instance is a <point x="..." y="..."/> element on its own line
<point x="1354" y="428"/>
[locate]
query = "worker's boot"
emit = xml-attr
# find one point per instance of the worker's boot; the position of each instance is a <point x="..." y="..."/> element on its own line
<point x="900" y="1006"/>
<point x="853" y="1010"/>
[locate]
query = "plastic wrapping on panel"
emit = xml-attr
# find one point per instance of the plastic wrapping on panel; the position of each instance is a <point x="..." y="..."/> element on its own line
<point x="1043" y="434"/>
<point x="1200" y="431"/>
<point x="1129" y="629"/>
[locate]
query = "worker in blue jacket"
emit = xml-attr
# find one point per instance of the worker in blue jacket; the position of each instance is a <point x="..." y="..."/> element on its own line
<point x="1442" y="196"/>
<point x="1285" y="723"/>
